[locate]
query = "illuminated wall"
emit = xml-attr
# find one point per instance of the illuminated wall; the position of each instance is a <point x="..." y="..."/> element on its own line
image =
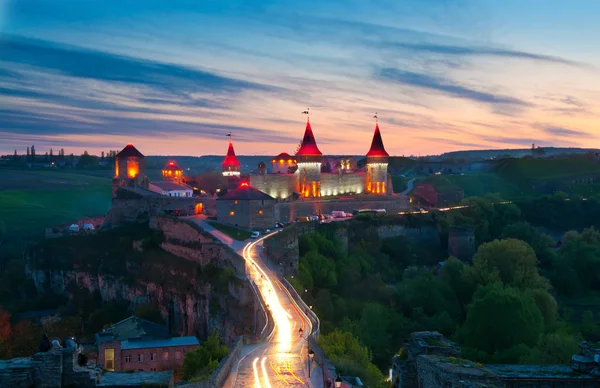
<point x="309" y="179"/>
<point x="281" y="166"/>
<point x="276" y="185"/>
<point x="338" y="184"/>
<point x="377" y="178"/>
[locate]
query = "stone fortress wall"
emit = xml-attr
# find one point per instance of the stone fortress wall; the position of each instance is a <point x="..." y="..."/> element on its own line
<point x="58" y="368"/>
<point x="428" y="359"/>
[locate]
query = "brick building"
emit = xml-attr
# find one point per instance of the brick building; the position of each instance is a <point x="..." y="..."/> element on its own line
<point x="246" y="207"/>
<point x="141" y="345"/>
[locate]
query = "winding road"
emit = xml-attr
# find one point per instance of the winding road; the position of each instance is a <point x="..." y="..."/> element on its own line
<point x="281" y="361"/>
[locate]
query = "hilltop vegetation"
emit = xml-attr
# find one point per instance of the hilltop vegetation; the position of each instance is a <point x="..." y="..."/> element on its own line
<point x="514" y="178"/>
<point x="501" y="308"/>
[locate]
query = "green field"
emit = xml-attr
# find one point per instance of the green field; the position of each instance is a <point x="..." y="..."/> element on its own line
<point x="234" y="233"/>
<point x="513" y="178"/>
<point x="31" y="200"/>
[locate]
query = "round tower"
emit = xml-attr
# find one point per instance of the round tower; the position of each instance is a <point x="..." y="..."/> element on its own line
<point x="130" y="169"/>
<point x="377" y="166"/>
<point x="308" y="160"/>
<point x="172" y="172"/>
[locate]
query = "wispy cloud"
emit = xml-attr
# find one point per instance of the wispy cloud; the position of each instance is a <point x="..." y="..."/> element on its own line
<point x="455" y="50"/>
<point x="445" y="86"/>
<point x="557" y="131"/>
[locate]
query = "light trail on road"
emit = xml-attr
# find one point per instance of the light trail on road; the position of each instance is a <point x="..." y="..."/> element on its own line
<point x="285" y="360"/>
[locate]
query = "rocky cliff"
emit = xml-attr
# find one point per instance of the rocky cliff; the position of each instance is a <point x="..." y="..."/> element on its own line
<point x="198" y="284"/>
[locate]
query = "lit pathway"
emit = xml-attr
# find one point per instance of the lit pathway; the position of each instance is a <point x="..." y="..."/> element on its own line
<point x="282" y="360"/>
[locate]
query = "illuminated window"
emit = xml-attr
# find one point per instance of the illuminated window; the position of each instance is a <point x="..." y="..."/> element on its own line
<point x="165" y="356"/>
<point x="132" y="168"/>
<point x="116" y="168"/>
<point x="231" y="213"/>
<point x="260" y="212"/>
<point x="235" y="202"/>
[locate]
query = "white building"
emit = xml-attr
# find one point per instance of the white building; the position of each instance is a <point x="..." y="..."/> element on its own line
<point x="171" y="189"/>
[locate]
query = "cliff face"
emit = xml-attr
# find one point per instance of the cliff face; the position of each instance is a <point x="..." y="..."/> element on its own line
<point x="189" y="309"/>
<point x="197" y="283"/>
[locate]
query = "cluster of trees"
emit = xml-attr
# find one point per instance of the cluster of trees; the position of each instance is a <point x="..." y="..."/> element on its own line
<point x="502" y="308"/>
<point x="200" y="363"/>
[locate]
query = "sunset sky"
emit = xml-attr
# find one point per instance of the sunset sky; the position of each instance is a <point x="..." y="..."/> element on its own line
<point x="173" y="77"/>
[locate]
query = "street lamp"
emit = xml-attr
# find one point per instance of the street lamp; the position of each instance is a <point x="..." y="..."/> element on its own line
<point x="338" y="382"/>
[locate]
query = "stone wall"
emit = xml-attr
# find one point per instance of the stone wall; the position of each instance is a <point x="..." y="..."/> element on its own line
<point x="461" y="243"/>
<point x="57" y="368"/>
<point x="279" y="186"/>
<point x="423" y="234"/>
<point x="441" y="371"/>
<point x="430" y="360"/>
<point x="342" y="183"/>
<point x="134" y="205"/>
<point x="289" y="211"/>
<point x="255" y="214"/>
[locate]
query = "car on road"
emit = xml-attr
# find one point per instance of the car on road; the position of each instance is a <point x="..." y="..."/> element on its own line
<point x="255" y="235"/>
<point x="267" y="230"/>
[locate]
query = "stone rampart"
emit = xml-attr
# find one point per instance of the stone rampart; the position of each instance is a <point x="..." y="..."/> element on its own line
<point x="430" y="360"/>
<point x="57" y="368"/>
<point x="289" y="211"/>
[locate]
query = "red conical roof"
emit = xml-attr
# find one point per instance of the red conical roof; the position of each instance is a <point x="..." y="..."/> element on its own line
<point x="230" y="158"/>
<point x="377" y="148"/>
<point x="309" y="144"/>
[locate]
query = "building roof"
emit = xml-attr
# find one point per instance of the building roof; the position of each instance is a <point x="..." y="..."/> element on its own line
<point x="230" y="158"/>
<point x="128" y="151"/>
<point x="283" y="155"/>
<point x="171" y="165"/>
<point x="377" y="148"/>
<point x="159" y="343"/>
<point x="171" y="186"/>
<point x="309" y="144"/>
<point x="131" y="328"/>
<point x="246" y="192"/>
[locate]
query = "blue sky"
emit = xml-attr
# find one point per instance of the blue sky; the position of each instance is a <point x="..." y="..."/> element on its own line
<point x="174" y="77"/>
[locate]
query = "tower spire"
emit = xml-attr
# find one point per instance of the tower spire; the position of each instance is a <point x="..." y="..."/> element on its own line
<point x="377" y="148"/>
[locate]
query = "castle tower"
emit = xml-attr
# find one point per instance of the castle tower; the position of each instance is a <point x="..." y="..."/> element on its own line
<point x="231" y="164"/>
<point x="130" y="169"/>
<point x="172" y="172"/>
<point x="377" y="166"/>
<point x="308" y="159"/>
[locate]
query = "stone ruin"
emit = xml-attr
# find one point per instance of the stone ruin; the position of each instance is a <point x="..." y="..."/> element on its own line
<point x="58" y="368"/>
<point x="429" y="360"/>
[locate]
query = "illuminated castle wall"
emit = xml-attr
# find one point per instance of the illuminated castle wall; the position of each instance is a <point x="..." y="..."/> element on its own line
<point x="309" y="182"/>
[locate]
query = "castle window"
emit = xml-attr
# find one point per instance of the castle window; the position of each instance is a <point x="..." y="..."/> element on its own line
<point x="152" y="356"/>
<point x="263" y="202"/>
<point x="165" y="356"/>
<point x="260" y="212"/>
<point x="231" y="213"/>
<point x="235" y="202"/>
<point x="177" y="355"/>
<point x="140" y="357"/>
<point x="128" y="358"/>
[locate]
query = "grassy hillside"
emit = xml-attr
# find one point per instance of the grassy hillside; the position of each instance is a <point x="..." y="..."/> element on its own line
<point x="529" y="169"/>
<point x="31" y="200"/>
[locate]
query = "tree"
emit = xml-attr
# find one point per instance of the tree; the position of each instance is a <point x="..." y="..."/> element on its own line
<point x="33" y="153"/>
<point x="350" y="357"/>
<point x="51" y="154"/>
<point x="501" y="318"/>
<point x="552" y="349"/>
<point x="198" y="364"/>
<point x="541" y="243"/>
<point x="511" y="262"/>
<point x="28" y="155"/>
<point x="15" y="156"/>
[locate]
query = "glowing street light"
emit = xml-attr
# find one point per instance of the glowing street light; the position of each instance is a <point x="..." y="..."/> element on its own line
<point x="338" y="382"/>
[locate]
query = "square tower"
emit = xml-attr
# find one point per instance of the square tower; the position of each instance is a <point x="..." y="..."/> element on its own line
<point x="308" y="160"/>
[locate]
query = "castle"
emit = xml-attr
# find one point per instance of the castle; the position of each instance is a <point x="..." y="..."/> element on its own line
<point x="309" y="175"/>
